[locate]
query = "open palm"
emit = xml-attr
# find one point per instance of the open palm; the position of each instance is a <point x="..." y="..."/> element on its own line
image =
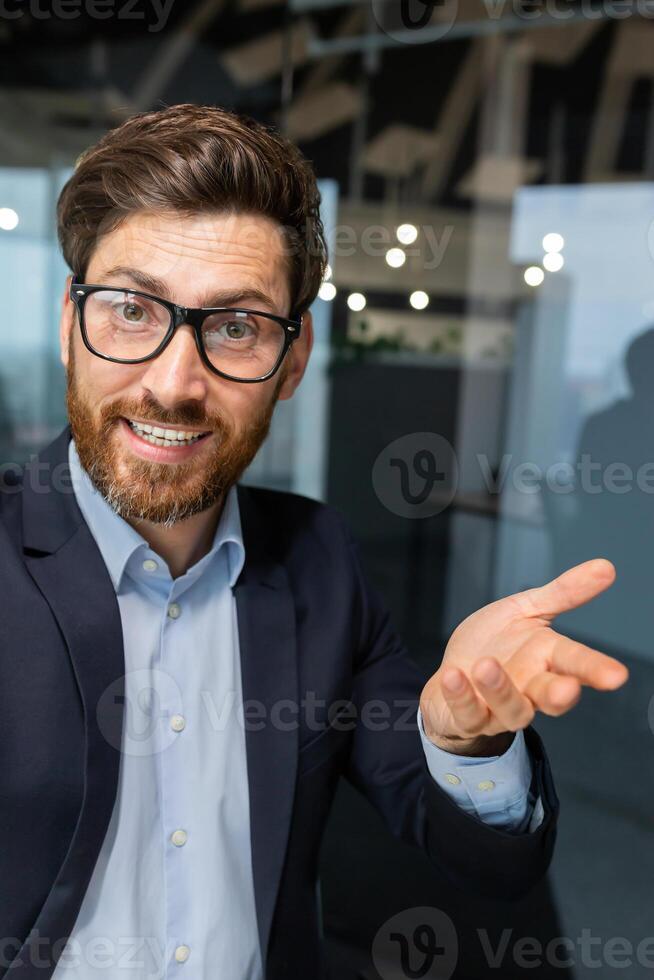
<point x="505" y="662"/>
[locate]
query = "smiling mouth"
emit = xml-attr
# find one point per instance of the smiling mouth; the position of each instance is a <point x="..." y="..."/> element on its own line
<point x="159" y="435"/>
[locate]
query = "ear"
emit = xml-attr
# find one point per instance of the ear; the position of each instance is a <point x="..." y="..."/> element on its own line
<point x="66" y="322"/>
<point x="298" y="358"/>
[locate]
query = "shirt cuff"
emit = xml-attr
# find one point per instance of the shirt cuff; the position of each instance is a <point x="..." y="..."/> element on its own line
<point x="495" y="789"/>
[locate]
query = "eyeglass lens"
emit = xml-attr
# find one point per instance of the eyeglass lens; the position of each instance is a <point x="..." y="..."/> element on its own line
<point x="128" y="327"/>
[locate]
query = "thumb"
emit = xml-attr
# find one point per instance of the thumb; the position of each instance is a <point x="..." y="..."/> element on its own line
<point x="572" y="588"/>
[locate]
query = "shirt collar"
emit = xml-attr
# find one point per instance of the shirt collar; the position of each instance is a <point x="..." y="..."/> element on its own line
<point x="118" y="540"/>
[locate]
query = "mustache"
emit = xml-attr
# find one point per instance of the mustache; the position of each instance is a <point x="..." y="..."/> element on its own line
<point x="182" y="414"/>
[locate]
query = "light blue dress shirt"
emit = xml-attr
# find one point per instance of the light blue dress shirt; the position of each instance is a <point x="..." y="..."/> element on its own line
<point x="496" y="789"/>
<point x="172" y="893"/>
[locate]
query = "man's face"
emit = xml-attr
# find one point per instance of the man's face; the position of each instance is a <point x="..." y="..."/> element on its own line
<point x="191" y="260"/>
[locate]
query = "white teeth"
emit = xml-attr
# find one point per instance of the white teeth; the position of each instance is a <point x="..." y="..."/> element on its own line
<point x="163" y="437"/>
<point x="164" y="442"/>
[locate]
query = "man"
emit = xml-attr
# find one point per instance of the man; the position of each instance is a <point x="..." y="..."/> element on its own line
<point x="188" y="664"/>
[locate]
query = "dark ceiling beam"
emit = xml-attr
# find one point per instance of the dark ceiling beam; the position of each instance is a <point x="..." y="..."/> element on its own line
<point x="173" y="52"/>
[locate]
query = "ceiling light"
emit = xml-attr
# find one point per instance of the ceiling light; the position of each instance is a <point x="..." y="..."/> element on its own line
<point x="419" y="299"/>
<point x="534" y="275"/>
<point x="8" y="219"/>
<point x="407" y="234"/>
<point x="553" y="242"/>
<point x="553" y="261"/>
<point x="356" y="302"/>
<point x="396" y="257"/>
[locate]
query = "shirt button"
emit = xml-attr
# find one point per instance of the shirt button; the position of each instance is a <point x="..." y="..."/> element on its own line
<point x="179" y="838"/>
<point x="174" y="610"/>
<point x="178" y="723"/>
<point x="182" y="953"/>
<point x="486" y="784"/>
<point x="149" y="565"/>
<point x="452" y="779"/>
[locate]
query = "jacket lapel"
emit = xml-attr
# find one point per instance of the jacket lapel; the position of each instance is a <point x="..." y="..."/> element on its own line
<point x="66" y="565"/>
<point x="266" y="620"/>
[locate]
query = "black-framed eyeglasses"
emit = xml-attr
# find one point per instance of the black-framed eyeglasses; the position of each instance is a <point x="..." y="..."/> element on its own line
<point x="129" y="327"/>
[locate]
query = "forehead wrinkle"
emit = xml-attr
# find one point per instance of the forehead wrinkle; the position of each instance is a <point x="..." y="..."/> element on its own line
<point x="190" y="227"/>
<point x="230" y="253"/>
<point x="230" y="258"/>
<point x="224" y="250"/>
<point x="246" y="244"/>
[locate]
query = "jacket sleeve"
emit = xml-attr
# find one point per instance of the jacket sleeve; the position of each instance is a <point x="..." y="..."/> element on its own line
<point x="387" y="764"/>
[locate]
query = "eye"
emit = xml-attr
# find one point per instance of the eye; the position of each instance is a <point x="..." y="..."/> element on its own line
<point x="234" y="328"/>
<point x="237" y="329"/>
<point x="128" y="310"/>
<point x="135" y="310"/>
<point x="132" y="312"/>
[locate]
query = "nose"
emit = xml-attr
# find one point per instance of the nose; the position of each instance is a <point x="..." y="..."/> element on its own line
<point x="177" y="374"/>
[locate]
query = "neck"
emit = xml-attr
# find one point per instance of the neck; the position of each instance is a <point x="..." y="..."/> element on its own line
<point x="186" y="542"/>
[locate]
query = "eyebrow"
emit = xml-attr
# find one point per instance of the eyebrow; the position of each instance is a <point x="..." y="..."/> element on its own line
<point x="156" y="286"/>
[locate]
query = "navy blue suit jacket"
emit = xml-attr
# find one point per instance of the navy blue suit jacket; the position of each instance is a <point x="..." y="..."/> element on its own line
<point x="308" y="623"/>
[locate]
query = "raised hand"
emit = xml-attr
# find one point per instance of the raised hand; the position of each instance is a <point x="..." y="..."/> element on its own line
<point x="505" y="662"/>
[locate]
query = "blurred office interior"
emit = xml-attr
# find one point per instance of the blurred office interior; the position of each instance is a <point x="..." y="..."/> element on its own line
<point x="487" y="178"/>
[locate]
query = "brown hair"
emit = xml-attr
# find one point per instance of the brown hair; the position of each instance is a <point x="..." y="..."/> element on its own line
<point x="193" y="158"/>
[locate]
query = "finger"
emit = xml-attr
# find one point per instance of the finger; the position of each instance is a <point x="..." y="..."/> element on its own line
<point x="509" y="706"/>
<point x="589" y="666"/>
<point x="573" y="588"/>
<point x="553" y="694"/>
<point x="468" y="711"/>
